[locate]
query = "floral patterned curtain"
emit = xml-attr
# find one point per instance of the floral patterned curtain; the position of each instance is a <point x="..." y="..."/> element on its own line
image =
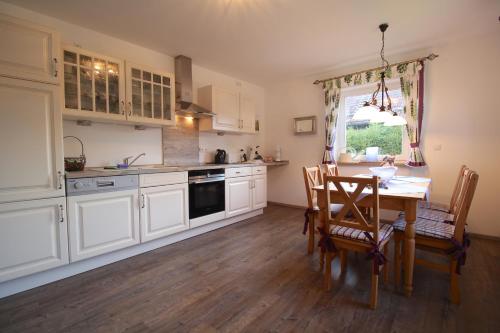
<point x="412" y="89"/>
<point x="332" y="100"/>
<point x="411" y="76"/>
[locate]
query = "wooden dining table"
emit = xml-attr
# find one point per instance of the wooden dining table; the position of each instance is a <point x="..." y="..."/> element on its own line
<point x="401" y="193"/>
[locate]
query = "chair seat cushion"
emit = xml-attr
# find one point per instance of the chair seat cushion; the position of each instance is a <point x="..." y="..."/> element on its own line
<point x="435" y="215"/>
<point x="334" y="208"/>
<point x="434" y="206"/>
<point x="427" y="228"/>
<point x="385" y="232"/>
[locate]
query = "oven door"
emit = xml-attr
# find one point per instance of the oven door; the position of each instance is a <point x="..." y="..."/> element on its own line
<point x="206" y="197"/>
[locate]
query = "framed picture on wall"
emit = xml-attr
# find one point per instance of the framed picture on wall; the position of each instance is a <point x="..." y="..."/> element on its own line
<point x="304" y="125"/>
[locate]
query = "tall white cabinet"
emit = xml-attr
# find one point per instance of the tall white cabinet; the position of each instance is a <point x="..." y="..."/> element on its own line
<point x="33" y="224"/>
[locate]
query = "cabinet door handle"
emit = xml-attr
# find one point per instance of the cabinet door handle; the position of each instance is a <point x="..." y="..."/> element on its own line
<point x="59" y="180"/>
<point x="61" y="214"/>
<point x="122" y="105"/>
<point x="55" y="67"/>
<point x="143" y="201"/>
<point x="129" y="109"/>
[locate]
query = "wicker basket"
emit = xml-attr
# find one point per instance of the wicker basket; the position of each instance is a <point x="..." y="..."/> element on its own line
<point x="75" y="163"/>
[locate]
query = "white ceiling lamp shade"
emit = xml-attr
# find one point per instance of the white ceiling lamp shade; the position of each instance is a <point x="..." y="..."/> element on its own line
<point x="365" y="112"/>
<point x="395" y="120"/>
<point x="380" y="117"/>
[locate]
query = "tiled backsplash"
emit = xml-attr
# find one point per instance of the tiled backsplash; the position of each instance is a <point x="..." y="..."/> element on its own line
<point x="181" y="143"/>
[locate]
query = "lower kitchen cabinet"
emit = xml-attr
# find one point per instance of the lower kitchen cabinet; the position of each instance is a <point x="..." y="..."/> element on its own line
<point x="259" y="192"/>
<point x="33" y="237"/>
<point x="238" y="195"/>
<point x="164" y="211"/>
<point x="102" y="222"/>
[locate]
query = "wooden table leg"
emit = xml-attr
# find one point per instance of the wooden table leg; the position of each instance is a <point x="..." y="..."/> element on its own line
<point x="409" y="245"/>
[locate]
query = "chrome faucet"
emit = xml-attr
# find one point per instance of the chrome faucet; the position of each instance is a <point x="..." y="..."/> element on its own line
<point x="126" y="162"/>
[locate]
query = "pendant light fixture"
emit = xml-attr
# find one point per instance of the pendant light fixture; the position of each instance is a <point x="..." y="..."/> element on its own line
<point x="383" y="113"/>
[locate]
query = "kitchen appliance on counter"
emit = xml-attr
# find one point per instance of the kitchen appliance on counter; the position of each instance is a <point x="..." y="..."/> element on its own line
<point x="103" y="214"/>
<point x="220" y="156"/>
<point x="207" y="202"/>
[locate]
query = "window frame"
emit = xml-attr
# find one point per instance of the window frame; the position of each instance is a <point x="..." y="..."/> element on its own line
<point x="341" y="129"/>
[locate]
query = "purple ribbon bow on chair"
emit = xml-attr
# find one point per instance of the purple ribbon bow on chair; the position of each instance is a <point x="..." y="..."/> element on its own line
<point x="326" y="242"/>
<point x="306" y="219"/>
<point x="374" y="254"/>
<point x="459" y="251"/>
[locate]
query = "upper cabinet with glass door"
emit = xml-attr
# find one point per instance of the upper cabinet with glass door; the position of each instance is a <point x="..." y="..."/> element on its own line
<point x="150" y="96"/>
<point x="93" y="86"/>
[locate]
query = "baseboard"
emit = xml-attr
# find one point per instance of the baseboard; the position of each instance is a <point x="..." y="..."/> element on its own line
<point x="274" y="203"/>
<point x="38" y="279"/>
<point x="481" y="236"/>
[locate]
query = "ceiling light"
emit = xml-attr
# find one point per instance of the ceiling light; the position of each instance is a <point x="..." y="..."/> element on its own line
<point x="395" y="120"/>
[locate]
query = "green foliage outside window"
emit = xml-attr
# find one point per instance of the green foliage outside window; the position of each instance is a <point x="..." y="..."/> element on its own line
<point x="387" y="138"/>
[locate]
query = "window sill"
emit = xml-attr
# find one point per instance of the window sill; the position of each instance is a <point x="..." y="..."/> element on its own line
<point x="370" y="164"/>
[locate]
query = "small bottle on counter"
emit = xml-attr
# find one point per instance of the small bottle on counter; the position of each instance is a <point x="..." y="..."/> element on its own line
<point x="278" y="153"/>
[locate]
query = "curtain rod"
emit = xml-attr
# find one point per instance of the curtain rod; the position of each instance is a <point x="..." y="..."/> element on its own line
<point x="430" y="57"/>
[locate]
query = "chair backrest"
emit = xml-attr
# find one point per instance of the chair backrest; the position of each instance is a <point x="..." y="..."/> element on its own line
<point x="457" y="194"/>
<point x="312" y="177"/>
<point x="329" y="170"/>
<point x="469" y="186"/>
<point x="350" y="191"/>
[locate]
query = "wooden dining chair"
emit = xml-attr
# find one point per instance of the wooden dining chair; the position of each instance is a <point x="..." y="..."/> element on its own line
<point x="453" y="205"/>
<point x="329" y="170"/>
<point x="312" y="177"/>
<point x="449" y="240"/>
<point x="359" y="232"/>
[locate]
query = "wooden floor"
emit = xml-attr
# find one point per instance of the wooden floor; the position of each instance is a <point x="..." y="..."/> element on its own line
<point x="254" y="276"/>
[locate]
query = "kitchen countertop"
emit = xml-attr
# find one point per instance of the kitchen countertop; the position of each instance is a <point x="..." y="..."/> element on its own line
<point x="101" y="172"/>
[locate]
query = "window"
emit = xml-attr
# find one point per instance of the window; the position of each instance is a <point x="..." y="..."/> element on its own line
<point x="358" y="135"/>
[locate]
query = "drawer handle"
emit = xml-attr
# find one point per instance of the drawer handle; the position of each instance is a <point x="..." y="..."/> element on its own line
<point x="55" y="67"/>
<point x="105" y="184"/>
<point x="143" y="201"/>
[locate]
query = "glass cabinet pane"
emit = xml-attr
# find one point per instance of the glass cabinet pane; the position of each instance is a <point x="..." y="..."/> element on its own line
<point x="85" y="61"/>
<point x="86" y="95"/>
<point x="157" y="101"/>
<point x="70" y="57"/>
<point x="70" y="86"/>
<point x="166" y="104"/>
<point x="100" y="94"/>
<point x="147" y="102"/>
<point x="166" y="81"/>
<point x="136" y="98"/>
<point x="113" y="88"/>
<point x="136" y="73"/>
<point x="156" y="78"/>
<point x="146" y="76"/>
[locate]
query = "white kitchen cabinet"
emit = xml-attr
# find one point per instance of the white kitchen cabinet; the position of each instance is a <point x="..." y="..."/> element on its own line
<point x="259" y="191"/>
<point x="225" y="104"/>
<point x="247" y="114"/>
<point x="164" y="211"/>
<point x="94" y="86"/>
<point x="246" y="189"/>
<point x="33" y="237"/>
<point x="238" y="195"/>
<point x="30" y="141"/>
<point x="234" y="112"/>
<point x="28" y="51"/>
<point x="102" y="222"/>
<point x="150" y="95"/>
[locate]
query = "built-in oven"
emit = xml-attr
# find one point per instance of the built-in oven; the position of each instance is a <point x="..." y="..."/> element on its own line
<point x="206" y="196"/>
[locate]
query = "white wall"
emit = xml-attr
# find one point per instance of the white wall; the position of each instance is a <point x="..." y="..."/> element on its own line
<point x="461" y="115"/>
<point x="107" y="143"/>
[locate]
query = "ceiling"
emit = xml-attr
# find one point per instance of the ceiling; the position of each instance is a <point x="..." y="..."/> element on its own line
<point x="263" y="41"/>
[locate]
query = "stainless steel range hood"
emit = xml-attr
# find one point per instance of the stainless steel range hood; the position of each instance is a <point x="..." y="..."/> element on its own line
<point x="184" y="105"/>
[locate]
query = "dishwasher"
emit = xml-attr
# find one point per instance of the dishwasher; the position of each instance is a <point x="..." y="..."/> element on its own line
<point x="103" y="214"/>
